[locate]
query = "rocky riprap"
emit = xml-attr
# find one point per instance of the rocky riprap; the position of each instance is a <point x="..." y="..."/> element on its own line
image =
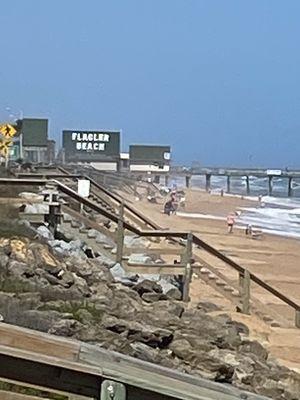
<point x="78" y="297"/>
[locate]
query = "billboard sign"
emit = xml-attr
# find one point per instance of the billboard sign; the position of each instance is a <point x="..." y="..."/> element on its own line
<point x="34" y="131"/>
<point x="89" y="146"/>
<point x="148" y="154"/>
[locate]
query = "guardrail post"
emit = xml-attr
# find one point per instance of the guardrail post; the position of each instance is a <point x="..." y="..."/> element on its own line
<point x="120" y="234"/>
<point x="187" y="257"/>
<point x="244" y="283"/>
<point x="111" y="390"/>
<point x="297" y="318"/>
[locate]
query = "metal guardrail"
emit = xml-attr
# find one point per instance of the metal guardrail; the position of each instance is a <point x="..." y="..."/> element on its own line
<point x="60" y="364"/>
<point x="164" y="234"/>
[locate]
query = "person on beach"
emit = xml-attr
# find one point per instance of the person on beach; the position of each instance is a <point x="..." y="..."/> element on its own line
<point x="230" y="222"/>
<point x="169" y="208"/>
<point x="248" y="230"/>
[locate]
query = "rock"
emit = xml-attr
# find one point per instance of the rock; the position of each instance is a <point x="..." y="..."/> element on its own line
<point x="146" y="353"/>
<point x="147" y="286"/>
<point x="84" y="316"/>
<point x="66" y="327"/>
<point x="45" y="233"/>
<point x="168" y="285"/>
<point x="4" y="259"/>
<point x="135" y="331"/>
<point x="6" y="249"/>
<point x="30" y="196"/>
<point x="181" y="347"/>
<point x="16" y="268"/>
<point x="67" y="279"/>
<point x="153" y="297"/>
<point x="120" y="275"/>
<point x="106" y="261"/>
<point x="36" y="209"/>
<point x="139" y="259"/>
<point x="208" y="307"/>
<point x="34" y="319"/>
<point x="174" y="293"/>
<point x="172" y="308"/>
<point x="219" y="331"/>
<point x="254" y="347"/>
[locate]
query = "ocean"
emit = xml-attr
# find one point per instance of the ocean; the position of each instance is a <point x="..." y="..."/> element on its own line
<point x="279" y="214"/>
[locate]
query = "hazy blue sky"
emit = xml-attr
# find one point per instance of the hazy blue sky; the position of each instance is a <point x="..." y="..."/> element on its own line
<point x="218" y="80"/>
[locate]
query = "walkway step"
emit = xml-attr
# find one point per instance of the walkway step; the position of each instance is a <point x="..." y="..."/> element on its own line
<point x="212" y="276"/>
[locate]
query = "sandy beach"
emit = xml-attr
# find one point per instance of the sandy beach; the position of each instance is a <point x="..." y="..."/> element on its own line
<point x="274" y="259"/>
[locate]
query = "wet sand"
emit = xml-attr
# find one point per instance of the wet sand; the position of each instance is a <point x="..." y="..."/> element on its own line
<point x="274" y="259"/>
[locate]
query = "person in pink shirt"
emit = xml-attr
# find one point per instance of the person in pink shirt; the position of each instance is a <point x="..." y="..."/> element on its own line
<point x="230" y="222"/>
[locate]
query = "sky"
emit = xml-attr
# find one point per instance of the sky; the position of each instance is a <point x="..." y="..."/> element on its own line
<point x="218" y="80"/>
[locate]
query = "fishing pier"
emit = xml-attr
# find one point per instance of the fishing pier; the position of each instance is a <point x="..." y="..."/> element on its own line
<point x="230" y="173"/>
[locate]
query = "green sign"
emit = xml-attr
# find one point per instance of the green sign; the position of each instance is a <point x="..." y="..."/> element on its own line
<point x="149" y="154"/>
<point x="88" y="146"/>
<point x="35" y="132"/>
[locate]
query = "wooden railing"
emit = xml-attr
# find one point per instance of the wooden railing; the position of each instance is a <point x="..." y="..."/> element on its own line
<point x="246" y="277"/>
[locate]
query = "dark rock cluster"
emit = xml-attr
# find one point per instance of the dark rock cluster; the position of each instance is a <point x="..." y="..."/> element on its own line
<point x="79" y="298"/>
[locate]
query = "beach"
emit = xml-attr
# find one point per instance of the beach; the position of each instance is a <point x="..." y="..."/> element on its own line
<point x="275" y="259"/>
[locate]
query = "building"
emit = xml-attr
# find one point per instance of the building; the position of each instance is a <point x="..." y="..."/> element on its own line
<point x="149" y="158"/>
<point x="50" y="151"/>
<point x="30" y="144"/>
<point x="100" y="149"/>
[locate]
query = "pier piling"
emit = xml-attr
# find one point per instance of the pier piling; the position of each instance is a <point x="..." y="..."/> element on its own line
<point x="187" y="181"/>
<point x="270" y="185"/>
<point x="290" y="188"/>
<point x="207" y="182"/>
<point x="228" y="183"/>
<point x="247" y="185"/>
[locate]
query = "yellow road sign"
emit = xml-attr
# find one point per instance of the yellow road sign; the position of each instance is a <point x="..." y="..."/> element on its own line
<point x="7" y="130"/>
<point x="4" y="147"/>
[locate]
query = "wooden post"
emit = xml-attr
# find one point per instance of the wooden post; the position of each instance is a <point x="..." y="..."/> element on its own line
<point x="187" y="258"/>
<point x="207" y="182"/>
<point x="270" y="185"/>
<point x="135" y="192"/>
<point x="120" y="235"/>
<point x="247" y="185"/>
<point x="167" y="180"/>
<point x="290" y="189"/>
<point x="244" y="283"/>
<point x="228" y="183"/>
<point x="297" y="318"/>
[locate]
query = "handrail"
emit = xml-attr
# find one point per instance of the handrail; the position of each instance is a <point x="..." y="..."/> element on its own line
<point x="242" y="270"/>
<point x="158" y="233"/>
<point x="116" y="198"/>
